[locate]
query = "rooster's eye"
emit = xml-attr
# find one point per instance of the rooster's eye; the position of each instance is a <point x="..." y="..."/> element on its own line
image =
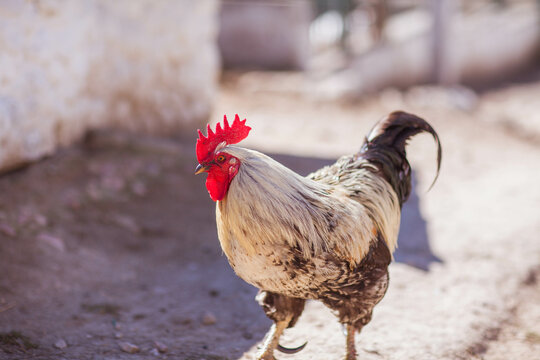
<point x="220" y="158"/>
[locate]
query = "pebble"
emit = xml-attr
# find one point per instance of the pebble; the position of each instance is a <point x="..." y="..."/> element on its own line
<point x="138" y="188"/>
<point x="113" y="183"/>
<point x="154" y="352"/>
<point x="41" y="220"/>
<point x="60" y="344"/>
<point x="128" y="347"/>
<point x="185" y="321"/>
<point x="24" y="217"/>
<point x="94" y="192"/>
<point x="209" y="319"/>
<point x="52" y="241"/>
<point x="127" y="223"/>
<point x="7" y="230"/>
<point x="161" y="347"/>
<point x="118" y="335"/>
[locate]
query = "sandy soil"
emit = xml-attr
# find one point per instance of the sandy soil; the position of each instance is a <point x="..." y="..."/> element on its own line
<point x="113" y="242"/>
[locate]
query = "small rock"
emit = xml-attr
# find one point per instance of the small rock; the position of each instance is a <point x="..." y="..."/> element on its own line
<point x="160" y="290"/>
<point x="114" y="183"/>
<point x="372" y="351"/>
<point x="153" y="169"/>
<point x="127" y="223"/>
<point x="7" y="230"/>
<point x="154" y="352"/>
<point x="60" y="344"/>
<point x="95" y="192"/>
<point x="185" y="321"/>
<point x="52" y="241"/>
<point x="24" y="217"/>
<point x="118" y="335"/>
<point x="41" y="220"/>
<point x="209" y="319"/>
<point x="138" y="188"/>
<point x="128" y="347"/>
<point x="532" y="337"/>
<point x="161" y="347"/>
<point x="74" y="204"/>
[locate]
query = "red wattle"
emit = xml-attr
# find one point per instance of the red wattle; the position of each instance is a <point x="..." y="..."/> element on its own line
<point x="217" y="184"/>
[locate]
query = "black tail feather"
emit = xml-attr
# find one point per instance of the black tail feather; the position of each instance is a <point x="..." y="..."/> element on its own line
<point x="385" y="146"/>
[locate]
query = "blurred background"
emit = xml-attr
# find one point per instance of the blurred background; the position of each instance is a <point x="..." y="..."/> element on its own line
<point x="108" y="247"/>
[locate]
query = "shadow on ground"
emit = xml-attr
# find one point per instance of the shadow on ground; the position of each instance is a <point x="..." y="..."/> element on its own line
<point x="104" y="245"/>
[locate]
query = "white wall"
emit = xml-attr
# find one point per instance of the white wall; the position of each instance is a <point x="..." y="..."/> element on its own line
<point x="68" y="66"/>
<point x="479" y="48"/>
<point x="265" y="34"/>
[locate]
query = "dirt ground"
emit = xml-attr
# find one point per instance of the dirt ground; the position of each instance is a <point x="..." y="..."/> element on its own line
<point x="108" y="249"/>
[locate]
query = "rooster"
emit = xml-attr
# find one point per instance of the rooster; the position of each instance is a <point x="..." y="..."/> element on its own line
<point x="328" y="236"/>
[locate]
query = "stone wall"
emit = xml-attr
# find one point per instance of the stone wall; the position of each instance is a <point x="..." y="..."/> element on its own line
<point x="70" y="66"/>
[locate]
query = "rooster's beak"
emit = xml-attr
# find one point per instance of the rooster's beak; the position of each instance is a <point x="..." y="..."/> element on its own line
<point x="200" y="168"/>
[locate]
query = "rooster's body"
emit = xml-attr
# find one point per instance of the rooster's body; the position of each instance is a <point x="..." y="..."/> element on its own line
<point x="328" y="236"/>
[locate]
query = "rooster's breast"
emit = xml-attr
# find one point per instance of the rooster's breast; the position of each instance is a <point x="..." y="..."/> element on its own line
<point x="283" y="270"/>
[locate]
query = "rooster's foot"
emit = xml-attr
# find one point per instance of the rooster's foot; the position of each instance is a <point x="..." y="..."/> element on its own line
<point x="271" y="340"/>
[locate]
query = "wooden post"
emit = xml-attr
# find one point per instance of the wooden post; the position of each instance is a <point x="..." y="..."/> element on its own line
<point x="443" y="72"/>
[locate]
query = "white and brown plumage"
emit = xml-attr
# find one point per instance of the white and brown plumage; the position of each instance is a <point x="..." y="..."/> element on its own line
<point x="328" y="236"/>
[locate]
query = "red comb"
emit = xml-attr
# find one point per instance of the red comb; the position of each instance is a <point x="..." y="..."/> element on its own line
<point x="233" y="134"/>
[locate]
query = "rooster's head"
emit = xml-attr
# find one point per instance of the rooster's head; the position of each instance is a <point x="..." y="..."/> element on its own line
<point x="214" y="159"/>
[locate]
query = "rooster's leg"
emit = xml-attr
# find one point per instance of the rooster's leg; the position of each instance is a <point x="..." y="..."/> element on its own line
<point x="272" y="340"/>
<point x="284" y="311"/>
<point x="351" y="348"/>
